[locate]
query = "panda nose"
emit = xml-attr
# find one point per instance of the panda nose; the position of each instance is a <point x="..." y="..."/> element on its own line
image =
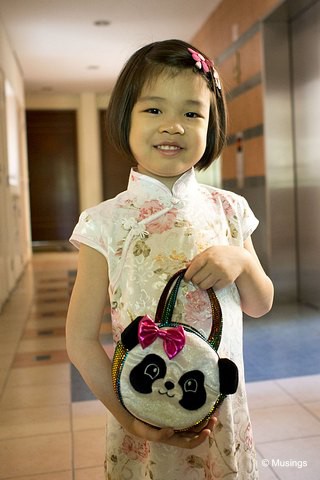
<point x="169" y="385"/>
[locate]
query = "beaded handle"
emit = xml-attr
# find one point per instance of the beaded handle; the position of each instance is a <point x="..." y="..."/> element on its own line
<point x="167" y="303"/>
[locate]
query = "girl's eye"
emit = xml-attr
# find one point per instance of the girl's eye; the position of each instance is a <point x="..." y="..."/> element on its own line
<point x="192" y="115"/>
<point x="154" y="111"/>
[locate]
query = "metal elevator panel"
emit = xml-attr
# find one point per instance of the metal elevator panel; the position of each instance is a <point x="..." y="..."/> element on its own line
<point x="305" y="41"/>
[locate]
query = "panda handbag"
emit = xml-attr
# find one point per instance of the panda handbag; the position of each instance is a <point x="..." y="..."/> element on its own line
<point x="168" y="374"/>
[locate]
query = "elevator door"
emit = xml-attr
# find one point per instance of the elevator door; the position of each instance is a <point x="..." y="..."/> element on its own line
<point x="306" y="96"/>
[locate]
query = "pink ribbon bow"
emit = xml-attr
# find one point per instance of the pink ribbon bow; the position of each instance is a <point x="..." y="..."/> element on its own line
<point x="173" y="338"/>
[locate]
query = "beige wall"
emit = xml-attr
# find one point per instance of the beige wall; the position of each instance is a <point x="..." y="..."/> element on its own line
<point x="15" y="241"/>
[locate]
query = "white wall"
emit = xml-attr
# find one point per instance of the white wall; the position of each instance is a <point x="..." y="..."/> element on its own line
<point x="15" y="238"/>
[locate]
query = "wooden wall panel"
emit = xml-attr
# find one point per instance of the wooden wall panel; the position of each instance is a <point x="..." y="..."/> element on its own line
<point x="246" y="111"/>
<point x="253" y="151"/>
<point x="232" y="35"/>
<point x="216" y="34"/>
<point x="242" y="65"/>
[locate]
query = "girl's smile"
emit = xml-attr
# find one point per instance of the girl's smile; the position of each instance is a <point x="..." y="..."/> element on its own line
<point x="169" y="124"/>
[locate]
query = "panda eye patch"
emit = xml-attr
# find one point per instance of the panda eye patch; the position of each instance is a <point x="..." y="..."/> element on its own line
<point x="194" y="392"/>
<point x="190" y="385"/>
<point x="152" y="371"/>
<point x="151" y="368"/>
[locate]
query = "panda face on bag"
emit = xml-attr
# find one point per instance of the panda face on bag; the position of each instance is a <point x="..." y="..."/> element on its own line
<point x="151" y="375"/>
<point x="166" y="391"/>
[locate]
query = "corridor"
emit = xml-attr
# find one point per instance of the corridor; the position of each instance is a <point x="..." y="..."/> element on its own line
<point x="51" y="428"/>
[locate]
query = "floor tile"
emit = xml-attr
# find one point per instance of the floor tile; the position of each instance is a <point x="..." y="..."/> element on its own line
<point x="281" y="423"/>
<point x="39" y="375"/>
<point x="35" y="395"/>
<point x="80" y="392"/>
<point x="88" y="415"/>
<point x="49" y="310"/>
<point x="55" y="321"/>
<point x="89" y="448"/>
<point x="35" y="455"/>
<point x="265" y="471"/>
<point x="314" y="408"/>
<point x="90" y="474"/>
<point x="43" y="332"/>
<point x="293" y="459"/>
<point x="9" y="334"/>
<point x="303" y="389"/>
<point x="44" y="357"/>
<point x="28" y="422"/>
<point x="3" y="378"/>
<point x="47" y="476"/>
<point x="6" y="360"/>
<point x="56" y="293"/>
<point x="41" y="343"/>
<point x="267" y="394"/>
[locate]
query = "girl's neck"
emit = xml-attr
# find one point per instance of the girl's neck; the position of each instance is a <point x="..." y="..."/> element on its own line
<point x="167" y="181"/>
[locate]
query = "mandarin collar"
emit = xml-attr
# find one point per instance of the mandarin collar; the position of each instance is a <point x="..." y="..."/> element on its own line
<point x="143" y="185"/>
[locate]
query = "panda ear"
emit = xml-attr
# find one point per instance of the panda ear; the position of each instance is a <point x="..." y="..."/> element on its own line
<point x="228" y="376"/>
<point x="129" y="336"/>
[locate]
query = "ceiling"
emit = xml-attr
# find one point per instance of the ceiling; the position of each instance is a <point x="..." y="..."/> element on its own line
<point x="60" y="49"/>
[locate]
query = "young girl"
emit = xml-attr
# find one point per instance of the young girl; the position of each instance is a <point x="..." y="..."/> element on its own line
<point x="167" y="113"/>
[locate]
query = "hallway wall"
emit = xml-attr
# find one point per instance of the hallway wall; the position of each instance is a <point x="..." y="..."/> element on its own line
<point x="15" y="241"/>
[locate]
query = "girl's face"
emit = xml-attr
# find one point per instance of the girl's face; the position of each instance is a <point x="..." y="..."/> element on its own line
<point x="169" y="124"/>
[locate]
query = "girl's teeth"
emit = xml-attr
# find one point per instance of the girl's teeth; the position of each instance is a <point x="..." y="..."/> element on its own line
<point x="168" y="147"/>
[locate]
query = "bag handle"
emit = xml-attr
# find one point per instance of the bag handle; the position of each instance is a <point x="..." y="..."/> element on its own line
<point x="167" y="303"/>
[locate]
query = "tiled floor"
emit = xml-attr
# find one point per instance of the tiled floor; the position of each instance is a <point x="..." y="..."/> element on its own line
<point x="51" y="428"/>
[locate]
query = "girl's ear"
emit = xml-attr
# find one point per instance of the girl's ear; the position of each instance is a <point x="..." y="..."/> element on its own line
<point x="129" y="336"/>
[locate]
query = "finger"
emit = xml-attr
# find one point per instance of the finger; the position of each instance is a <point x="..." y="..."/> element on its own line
<point x="211" y="423"/>
<point x="189" y="440"/>
<point x="151" y="433"/>
<point x="203" y="277"/>
<point x="197" y="440"/>
<point x="162" y="435"/>
<point x="196" y="265"/>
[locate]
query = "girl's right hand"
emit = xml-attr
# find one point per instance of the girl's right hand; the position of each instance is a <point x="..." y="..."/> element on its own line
<point x="189" y="439"/>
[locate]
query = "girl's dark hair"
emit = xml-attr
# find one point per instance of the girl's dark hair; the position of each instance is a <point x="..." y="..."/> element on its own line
<point x="142" y="66"/>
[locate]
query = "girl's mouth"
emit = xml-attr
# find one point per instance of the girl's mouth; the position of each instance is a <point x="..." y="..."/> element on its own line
<point x="168" y="148"/>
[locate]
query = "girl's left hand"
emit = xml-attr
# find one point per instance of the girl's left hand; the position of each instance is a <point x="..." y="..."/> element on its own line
<point x="194" y="436"/>
<point x="217" y="266"/>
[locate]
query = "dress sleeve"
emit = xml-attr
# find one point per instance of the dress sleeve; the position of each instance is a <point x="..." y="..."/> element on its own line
<point x="247" y="219"/>
<point x="88" y="232"/>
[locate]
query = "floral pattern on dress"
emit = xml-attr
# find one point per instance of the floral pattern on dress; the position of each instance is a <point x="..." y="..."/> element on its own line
<point x="183" y="223"/>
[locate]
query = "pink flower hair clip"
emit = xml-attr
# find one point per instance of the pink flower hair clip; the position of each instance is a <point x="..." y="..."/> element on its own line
<point x="205" y="64"/>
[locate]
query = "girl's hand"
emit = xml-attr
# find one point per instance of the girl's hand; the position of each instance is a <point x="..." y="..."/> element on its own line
<point x="190" y="439"/>
<point x="222" y="265"/>
<point x="217" y="267"/>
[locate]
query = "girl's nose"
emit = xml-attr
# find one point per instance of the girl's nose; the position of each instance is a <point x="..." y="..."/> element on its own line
<point x="172" y="128"/>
